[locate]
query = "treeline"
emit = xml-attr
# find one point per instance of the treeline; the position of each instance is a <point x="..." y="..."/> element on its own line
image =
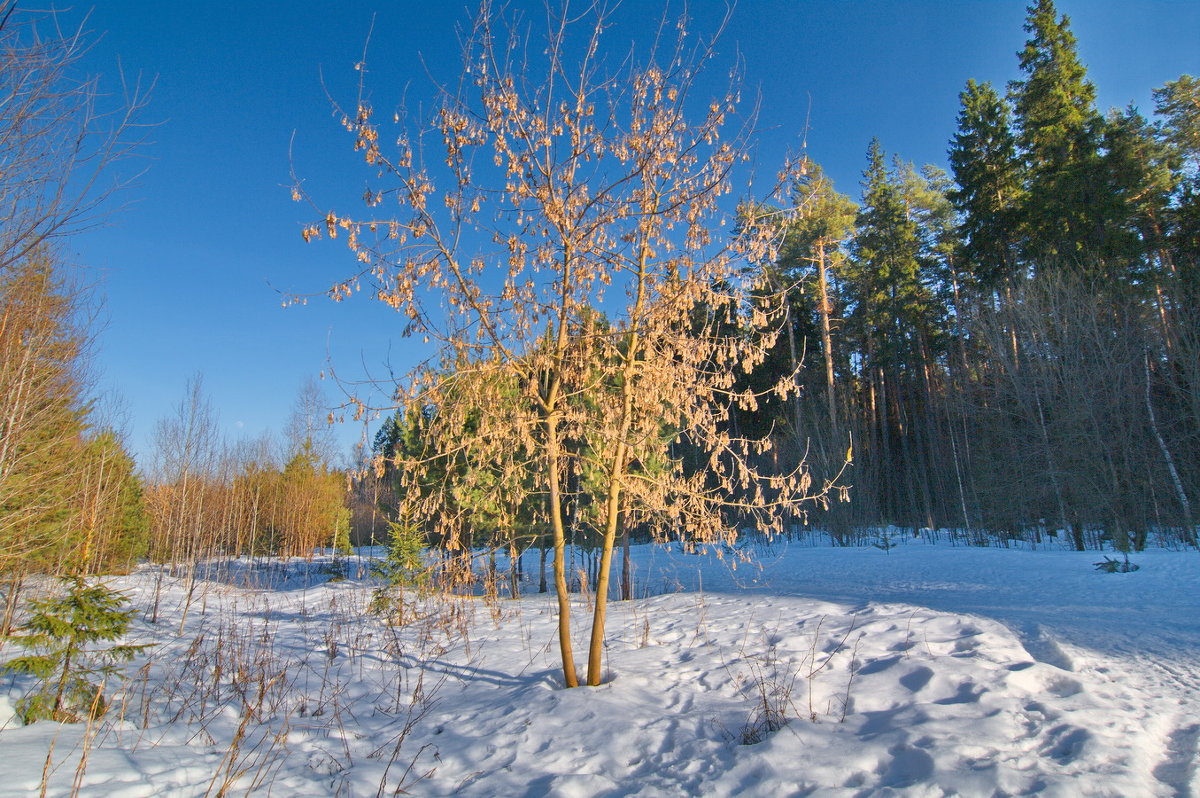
<point x="69" y="497"/>
<point x="1012" y="348"/>
<point x="72" y="501"/>
<point x="211" y="498"/>
<point x="1008" y="349"/>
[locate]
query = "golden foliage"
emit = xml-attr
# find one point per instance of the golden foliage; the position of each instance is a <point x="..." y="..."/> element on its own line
<point x="559" y="194"/>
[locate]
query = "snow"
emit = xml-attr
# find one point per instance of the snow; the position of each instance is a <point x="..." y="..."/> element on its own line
<point x="924" y="669"/>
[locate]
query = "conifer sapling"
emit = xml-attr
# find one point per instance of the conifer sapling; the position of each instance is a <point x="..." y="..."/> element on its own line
<point x="60" y="635"/>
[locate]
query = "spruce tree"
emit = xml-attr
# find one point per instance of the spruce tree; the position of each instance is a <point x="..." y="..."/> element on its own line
<point x="61" y="637"/>
<point x="924" y="192"/>
<point x="988" y="174"/>
<point x="898" y="323"/>
<point x="1059" y="132"/>
<point x="885" y="270"/>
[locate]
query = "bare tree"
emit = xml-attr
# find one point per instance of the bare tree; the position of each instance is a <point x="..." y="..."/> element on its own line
<point x="564" y="191"/>
<point x="57" y="143"/>
<point x="187" y="452"/>
<point x="308" y="426"/>
<point x="1068" y="416"/>
<point x="59" y="135"/>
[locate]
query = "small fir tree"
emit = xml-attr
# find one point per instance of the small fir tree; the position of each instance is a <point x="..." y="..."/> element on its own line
<point x="341" y="532"/>
<point x="70" y="669"/>
<point x="403" y="566"/>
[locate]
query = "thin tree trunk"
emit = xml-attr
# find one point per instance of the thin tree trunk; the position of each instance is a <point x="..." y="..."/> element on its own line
<point x="626" y="568"/>
<point x="554" y="456"/>
<point x="1052" y="472"/>
<point x="1180" y="493"/>
<point x="890" y="493"/>
<point x="157" y="594"/>
<point x="826" y="338"/>
<point x="616" y="473"/>
<point x="61" y="689"/>
<point x="542" y="566"/>
<point x="514" y="571"/>
<point x="962" y="495"/>
<point x="797" y="414"/>
<point x="15" y="582"/>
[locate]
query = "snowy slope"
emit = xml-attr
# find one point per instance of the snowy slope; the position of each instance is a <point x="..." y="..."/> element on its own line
<point x="923" y="670"/>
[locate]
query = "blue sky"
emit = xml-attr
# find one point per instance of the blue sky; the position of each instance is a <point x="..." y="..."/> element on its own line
<point x="192" y="261"/>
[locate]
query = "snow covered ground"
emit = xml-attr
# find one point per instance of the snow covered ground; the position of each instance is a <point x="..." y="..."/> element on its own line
<point x="922" y="670"/>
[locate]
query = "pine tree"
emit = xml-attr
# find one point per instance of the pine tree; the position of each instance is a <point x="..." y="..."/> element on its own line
<point x="888" y="298"/>
<point x="898" y="323"/>
<point x="1140" y="173"/>
<point x="927" y="205"/>
<point x="814" y="248"/>
<point x="1178" y="105"/>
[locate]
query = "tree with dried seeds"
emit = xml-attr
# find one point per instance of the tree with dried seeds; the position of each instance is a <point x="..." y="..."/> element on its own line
<point x="565" y="187"/>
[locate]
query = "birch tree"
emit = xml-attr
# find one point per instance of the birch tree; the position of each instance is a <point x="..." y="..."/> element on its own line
<point x="59" y="136"/>
<point x="57" y="144"/>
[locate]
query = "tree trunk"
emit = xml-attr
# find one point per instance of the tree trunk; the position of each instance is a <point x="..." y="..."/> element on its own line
<point x="626" y="568"/>
<point x="826" y="338"/>
<point x="1180" y="493"/>
<point x="10" y="604"/>
<point x="554" y="456"/>
<point x="1077" y="535"/>
<point x="514" y="571"/>
<point x="616" y="473"/>
<point x="542" y="566"/>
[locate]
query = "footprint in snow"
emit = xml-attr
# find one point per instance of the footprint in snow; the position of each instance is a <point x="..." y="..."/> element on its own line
<point x="916" y="679"/>
<point x="965" y="646"/>
<point x="1065" y="743"/>
<point x="1043" y="712"/>
<point x="967" y="693"/>
<point x="877" y="665"/>
<point x="1043" y="648"/>
<point x="1177" y="771"/>
<point x="908" y="766"/>
<point x="1063" y="686"/>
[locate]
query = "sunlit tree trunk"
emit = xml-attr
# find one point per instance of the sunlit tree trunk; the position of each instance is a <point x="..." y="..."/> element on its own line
<point x="826" y="338"/>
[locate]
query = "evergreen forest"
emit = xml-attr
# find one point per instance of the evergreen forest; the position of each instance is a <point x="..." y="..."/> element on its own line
<point x="1008" y="349"/>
